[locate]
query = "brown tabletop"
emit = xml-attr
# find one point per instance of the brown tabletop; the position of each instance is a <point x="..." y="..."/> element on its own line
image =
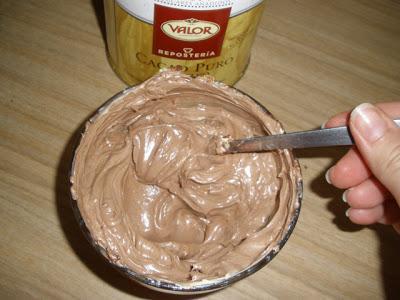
<point x="311" y="59"/>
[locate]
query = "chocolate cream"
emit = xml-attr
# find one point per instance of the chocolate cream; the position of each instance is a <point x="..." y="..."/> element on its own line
<point x="159" y="200"/>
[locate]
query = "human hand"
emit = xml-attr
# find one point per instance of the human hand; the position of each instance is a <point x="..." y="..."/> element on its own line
<point x="370" y="171"/>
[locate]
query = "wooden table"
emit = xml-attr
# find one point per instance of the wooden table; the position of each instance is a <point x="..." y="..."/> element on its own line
<point x="311" y="59"/>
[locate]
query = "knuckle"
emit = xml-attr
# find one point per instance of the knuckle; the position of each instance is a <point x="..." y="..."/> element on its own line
<point x="392" y="161"/>
<point x="387" y="166"/>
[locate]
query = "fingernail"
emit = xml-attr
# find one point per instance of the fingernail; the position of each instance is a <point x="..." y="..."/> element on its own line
<point x="344" y="196"/>
<point x="347" y="212"/>
<point x="323" y="125"/>
<point x="368" y="122"/>
<point x="328" y="176"/>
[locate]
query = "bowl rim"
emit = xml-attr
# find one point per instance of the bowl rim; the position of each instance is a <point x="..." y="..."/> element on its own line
<point x="169" y="286"/>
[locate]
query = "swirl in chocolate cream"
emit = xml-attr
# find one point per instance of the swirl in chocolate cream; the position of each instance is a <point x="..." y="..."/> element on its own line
<point x="154" y="194"/>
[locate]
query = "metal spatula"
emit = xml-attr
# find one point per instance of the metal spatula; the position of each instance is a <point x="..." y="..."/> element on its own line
<point x="339" y="136"/>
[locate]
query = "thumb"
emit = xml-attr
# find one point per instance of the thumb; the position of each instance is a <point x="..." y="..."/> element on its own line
<point x="378" y="139"/>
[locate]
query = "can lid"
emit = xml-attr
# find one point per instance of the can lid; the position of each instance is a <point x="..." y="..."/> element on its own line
<point x="144" y="9"/>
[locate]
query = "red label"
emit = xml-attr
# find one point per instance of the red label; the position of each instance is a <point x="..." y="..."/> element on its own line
<point x="189" y="34"/>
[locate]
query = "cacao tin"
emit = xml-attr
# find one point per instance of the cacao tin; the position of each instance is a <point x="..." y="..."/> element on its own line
<point x="199" y="37"/>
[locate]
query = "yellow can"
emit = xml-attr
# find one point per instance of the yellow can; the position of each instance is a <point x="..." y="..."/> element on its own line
<point x="200" y="37"/>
